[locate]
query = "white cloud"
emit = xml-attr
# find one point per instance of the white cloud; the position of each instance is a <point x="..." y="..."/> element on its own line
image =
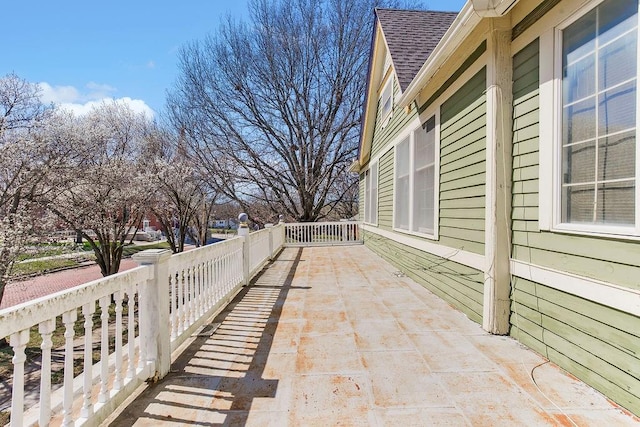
<point x="151" y="64"/>
<point x="81" y="102"/>
<point x="58" y="94"/>
<point x="98" y="91"/>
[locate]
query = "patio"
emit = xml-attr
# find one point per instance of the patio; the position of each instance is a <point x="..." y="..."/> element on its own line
<point x="334" y="336"/>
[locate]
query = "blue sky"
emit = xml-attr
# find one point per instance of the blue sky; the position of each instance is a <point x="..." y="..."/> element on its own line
<point x="82" y="52"/>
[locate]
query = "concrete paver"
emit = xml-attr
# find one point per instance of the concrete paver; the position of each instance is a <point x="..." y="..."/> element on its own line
<point x="330" y="336"/>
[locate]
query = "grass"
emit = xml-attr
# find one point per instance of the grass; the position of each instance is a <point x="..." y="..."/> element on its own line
<point x="4" y="417"/>
<point x="41" y="266"/>
<point x="49" y="249"/>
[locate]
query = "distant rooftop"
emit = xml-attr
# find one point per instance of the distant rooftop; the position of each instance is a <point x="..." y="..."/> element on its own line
<point x="411" y="36"/>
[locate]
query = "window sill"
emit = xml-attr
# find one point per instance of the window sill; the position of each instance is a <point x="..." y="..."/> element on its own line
<point x="611" y="233"/>
<point x="416" y="234"/>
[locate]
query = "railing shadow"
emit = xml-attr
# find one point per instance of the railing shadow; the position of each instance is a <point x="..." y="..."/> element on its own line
<point x="216" y="379"/>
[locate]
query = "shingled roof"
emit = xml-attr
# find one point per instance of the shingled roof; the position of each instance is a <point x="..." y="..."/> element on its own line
<point x="411" y="36"/>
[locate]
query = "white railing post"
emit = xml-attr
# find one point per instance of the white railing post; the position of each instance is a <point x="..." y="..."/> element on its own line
<point x="19" y="342"/>
<point x="46" y="329"/>
<point x="270" y="228"/>
<point x="243" y="232"/>
<point x="155" y="328"/>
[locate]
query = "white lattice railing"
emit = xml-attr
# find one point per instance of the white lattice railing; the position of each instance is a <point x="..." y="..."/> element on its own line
<point x="166" y="300"/>
<point x="322" y="233"/>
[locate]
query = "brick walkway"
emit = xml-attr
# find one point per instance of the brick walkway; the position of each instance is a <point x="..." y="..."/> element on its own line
<point x="27" y="290"/>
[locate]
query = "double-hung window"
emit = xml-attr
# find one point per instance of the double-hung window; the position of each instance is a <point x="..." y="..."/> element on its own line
<point x="415" y="180"/>
<point x="371" y="194"/>
<point x="597" y="68"/>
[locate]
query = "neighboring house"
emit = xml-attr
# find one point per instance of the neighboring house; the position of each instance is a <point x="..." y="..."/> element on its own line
<point x="499" y="166"/>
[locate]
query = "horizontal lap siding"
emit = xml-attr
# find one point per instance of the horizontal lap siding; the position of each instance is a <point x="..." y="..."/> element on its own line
<point x="608" y="260"/>
<point x="399" y="120"/>
<point x="597" y="344"/>
<point x="459" y="285"/>
<point x="462" y="167"/>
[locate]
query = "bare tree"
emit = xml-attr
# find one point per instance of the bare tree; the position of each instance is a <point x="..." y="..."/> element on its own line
<point x="272" y="108"/>
<point x="104" y="191"/>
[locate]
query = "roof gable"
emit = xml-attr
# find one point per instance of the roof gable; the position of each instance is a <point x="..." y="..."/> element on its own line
<point x="411" y="36"/>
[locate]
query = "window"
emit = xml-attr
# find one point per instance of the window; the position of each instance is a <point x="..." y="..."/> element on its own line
<point x="371" y="194"/>
<point x="415" y="180"/>
<point x="598" y="120"/>
<point x="386" y="99"/>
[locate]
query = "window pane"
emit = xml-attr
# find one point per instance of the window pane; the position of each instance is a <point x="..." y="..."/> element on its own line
<point x="374" y="193"/>
<point x="402" y="203"/>
<point x="579" y="39"/>
<point x="402" y="158"/>
<point x="614" y="66"/>
<point x="599" y="121"/>
<point x="616" y="157"/>
<point x="367" y="196"/>
<point x="616" y="203"/>
<point x="578" y="163"/>
<point x="423" y="177"/>
<point x="423" y="208"/>
<point x="402" y="185"/>
<point x="579" y="121"/>
<point x="578" y="203"/>
<point x="579" y="79"/>
<point x="617" y="109"/>
<point x="615" y="18"/>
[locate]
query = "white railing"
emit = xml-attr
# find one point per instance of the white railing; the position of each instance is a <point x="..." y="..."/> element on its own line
<point x="200" y="282"/>
<point x="166" y="299"/>
<point x="322" y="233"/>
<point x="113" y="303"/>
<point x="259" y="249"/>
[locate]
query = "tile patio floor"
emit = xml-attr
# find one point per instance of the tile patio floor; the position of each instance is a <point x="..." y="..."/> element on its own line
<point x="330" y="336"/>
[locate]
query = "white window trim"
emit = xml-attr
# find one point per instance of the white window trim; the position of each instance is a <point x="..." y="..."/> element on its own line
<point x="372" y="164"/>
<point x="550" y="169"/>
<point x="410" y="133"/>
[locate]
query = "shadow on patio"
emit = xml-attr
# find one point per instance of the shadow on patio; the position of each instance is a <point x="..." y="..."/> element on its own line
<point x="330" y="336"/>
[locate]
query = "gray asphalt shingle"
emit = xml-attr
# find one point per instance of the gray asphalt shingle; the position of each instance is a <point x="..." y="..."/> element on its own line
<point x="411" y="36"/>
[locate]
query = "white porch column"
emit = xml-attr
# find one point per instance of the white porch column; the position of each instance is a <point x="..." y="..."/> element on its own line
<point x="497" y="277"/>
<point x="155" y="327"/>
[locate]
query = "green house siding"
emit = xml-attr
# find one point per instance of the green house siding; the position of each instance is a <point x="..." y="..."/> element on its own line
<point x="398" y="121"/>
<point x="598" y="344"/>
<point x="385" y="191"/>
<point x="462" y="166"/>
<point x="609" y="260"/>
<point x="459" y="285"/>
